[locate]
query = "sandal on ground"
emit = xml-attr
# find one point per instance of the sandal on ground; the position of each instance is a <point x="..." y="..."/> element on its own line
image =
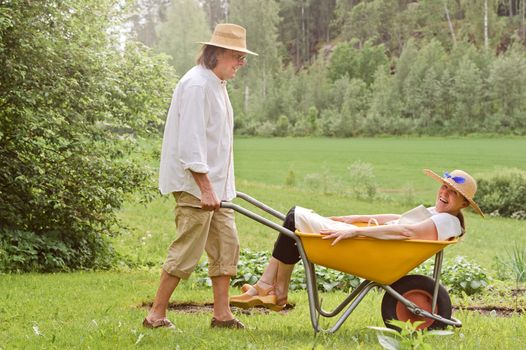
<point x="261" y="292"/>
<point x="161" y="323"/>
<point x="247" y="301"/>
<point x="233" y="323"/>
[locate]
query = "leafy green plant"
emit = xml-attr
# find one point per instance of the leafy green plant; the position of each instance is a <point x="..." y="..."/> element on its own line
<point x="252" y="264"/>
<point x="461" y="275"/>
<point x="409" y="337"/>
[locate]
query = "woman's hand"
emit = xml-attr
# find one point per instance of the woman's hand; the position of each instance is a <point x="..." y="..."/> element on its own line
<point x="339" y="235"/>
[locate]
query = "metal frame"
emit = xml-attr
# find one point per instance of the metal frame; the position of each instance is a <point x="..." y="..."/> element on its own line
<point x="355" y="297"/>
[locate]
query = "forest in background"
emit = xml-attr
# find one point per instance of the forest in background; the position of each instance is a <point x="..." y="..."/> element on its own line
<point x="350" y="68"/>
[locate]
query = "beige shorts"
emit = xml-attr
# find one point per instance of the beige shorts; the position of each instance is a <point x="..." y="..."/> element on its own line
<point x="201" y="230"/>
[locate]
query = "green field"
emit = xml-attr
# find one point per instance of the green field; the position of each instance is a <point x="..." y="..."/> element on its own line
<point x="102" y="310"/>
<point x="397" y="161"/>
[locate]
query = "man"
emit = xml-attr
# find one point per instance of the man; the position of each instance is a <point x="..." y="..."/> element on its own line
<point x="197" y="168"/>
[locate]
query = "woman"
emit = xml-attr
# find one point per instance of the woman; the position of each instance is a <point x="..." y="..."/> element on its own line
<point x="441" y="222"/>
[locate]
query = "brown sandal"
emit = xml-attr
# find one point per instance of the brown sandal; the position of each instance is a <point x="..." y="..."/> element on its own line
<point x="261" y="292"/>
<point x="263" y="298"/>
<point x="161" y="323"/>
<point x="233" y="323"/>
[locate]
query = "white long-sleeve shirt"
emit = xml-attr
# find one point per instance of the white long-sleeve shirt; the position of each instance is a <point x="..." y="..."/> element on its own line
<point x="198" y="136"/>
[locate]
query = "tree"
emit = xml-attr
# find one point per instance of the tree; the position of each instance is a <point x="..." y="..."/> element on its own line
<point x="185" y="25"/>
<point x="469" y="92"/>
<point x="507" y="80"/>
<point x="64" y="92"/>
<point x="305" y="24"/>
<point x="359" y="63"/>
<point x="481" y="22"/>
<point x="260" y="18"/>
<point x="216" y="11"/>
<point x="147" y="15"/>
<point x="378" y="21"/>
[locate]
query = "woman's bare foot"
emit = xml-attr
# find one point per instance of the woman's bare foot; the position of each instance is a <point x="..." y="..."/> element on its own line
<point x="281" y="296"/>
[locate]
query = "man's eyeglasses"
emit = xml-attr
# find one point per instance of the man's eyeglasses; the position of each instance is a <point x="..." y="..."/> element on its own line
<point x="240" y="57"/>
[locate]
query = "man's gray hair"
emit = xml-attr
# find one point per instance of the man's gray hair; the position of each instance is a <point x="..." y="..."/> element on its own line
<point x="208" y="56"/>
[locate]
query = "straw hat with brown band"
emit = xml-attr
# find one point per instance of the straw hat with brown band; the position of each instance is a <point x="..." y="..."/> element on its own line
<point x="461" y="181"/>
<point x="229" y="36"/>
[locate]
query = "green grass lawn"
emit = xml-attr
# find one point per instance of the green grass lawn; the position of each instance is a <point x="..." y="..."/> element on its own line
<point x="102" y="310"/>
<point x="397" y="161"/>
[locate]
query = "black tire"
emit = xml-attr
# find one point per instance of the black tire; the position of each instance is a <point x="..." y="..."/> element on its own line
<point x="420" y="290"/>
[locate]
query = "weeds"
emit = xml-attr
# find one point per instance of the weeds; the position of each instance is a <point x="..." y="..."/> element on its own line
<point x="512" y="266"/>
<point x="409" y="337"/>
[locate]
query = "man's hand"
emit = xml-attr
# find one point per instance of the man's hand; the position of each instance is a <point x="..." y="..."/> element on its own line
<point x="209" y="201"/>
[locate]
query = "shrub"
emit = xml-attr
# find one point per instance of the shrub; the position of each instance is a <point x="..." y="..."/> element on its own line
<point x="290" y="180"/>
<point x="266" y="129"/>
<point x="503" y="194"/>
<point x="64" y="94"/>
<point x="323" y="181"/>
<point x="282" y="126"/>
<point x="23" y="251"/>
<point x="363" y="182"/>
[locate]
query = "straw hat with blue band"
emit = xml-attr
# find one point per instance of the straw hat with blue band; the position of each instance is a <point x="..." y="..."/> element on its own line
<point x="461" y="181"/>
<point x="230" y="36"/>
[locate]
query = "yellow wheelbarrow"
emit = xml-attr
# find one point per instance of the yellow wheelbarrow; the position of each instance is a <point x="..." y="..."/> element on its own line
<point x="381" y="263"/>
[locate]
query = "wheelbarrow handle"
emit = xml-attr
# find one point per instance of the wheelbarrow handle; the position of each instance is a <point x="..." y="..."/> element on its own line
<point x="260" y="219"/>
<point x="261" y="205"/>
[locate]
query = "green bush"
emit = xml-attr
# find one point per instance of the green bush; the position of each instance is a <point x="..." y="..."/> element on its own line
<point x="503" y="194"/>
<point x="23" y="251"/>
<point x="66" y="96"/>
<point x="461" y="276"/>
<point x="323" y="181"/>
<point x="363" y="180"/>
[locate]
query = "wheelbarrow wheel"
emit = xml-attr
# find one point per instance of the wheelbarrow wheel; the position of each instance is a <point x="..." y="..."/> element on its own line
<point x="419" y="290"/>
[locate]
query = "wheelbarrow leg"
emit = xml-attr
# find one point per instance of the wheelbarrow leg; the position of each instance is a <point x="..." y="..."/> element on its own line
<point x="436" y="276"/>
